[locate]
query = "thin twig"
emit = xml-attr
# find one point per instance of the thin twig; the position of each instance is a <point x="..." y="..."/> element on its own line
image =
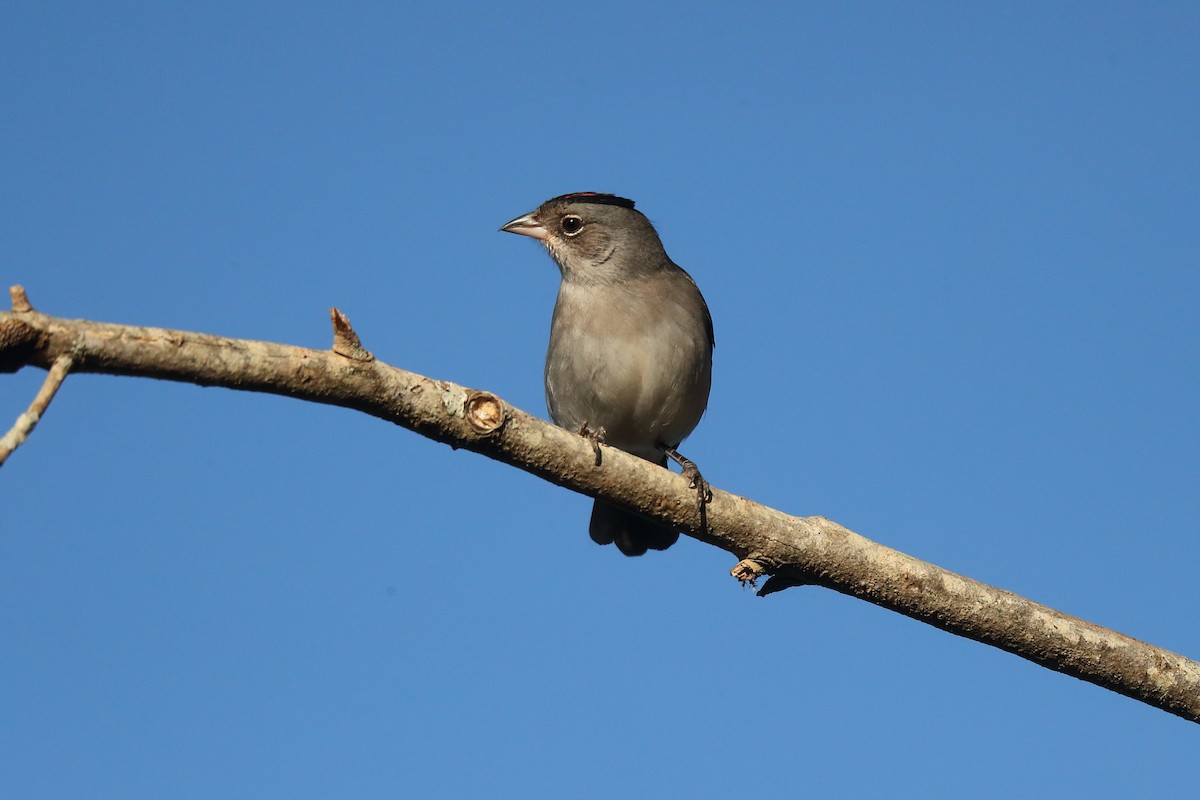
<point x="25" y="423"/>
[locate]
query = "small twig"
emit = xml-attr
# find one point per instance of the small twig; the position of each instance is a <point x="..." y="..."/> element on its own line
<point x="25" y="423"/>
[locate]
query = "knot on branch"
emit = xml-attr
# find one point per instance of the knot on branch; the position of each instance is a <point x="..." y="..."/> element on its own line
<point x="485" y="412"/>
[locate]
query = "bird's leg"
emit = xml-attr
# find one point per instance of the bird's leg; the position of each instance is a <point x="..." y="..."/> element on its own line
<point x="596" y="437"/>
<point x="692" y="473"/>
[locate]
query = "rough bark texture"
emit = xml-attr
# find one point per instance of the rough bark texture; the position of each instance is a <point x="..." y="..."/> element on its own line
<point x="791" y="550"/>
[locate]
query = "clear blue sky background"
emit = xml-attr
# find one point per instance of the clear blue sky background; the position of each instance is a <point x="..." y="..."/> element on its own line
<point x="952" y="255"/>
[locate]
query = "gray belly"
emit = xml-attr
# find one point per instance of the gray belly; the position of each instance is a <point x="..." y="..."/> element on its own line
<point x="646" y="384"/>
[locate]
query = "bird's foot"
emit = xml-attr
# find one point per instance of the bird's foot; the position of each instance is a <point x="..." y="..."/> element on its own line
<point x="695" y="480"/>
<point x="596" y="437"/>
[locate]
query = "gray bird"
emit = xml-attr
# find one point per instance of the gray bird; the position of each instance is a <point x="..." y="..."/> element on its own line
<point x="630" y="357"/>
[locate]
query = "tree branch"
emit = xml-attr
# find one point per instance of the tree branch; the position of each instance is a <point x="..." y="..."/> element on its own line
<point x="791" y="550"/>
<point x="25" y="423"/>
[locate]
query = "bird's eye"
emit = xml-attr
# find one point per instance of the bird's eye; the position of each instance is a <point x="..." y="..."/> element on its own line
<point x="571" y="225"/>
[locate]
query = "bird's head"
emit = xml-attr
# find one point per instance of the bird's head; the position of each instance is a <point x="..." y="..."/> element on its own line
<point x="594" y="238"/>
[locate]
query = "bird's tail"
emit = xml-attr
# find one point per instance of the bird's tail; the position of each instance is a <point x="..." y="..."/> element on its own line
<point x="632" y="533"/>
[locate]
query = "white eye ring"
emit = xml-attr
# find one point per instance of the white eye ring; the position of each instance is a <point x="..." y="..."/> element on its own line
<point x="571" y="225"/>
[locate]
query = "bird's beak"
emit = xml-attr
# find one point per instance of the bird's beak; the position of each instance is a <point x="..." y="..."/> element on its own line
<point x="526" y="225"/>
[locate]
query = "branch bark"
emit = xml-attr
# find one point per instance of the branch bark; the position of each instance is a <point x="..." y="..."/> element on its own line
<point x="792" y="551"/>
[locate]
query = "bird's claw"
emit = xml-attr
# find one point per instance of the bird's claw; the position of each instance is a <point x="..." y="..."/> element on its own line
<point x="704" y="493"/>
<point x="596" y="437"/>
<point x="696" y="481"/>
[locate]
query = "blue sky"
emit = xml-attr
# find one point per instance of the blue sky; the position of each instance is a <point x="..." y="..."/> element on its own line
<point x="951" y="254"/>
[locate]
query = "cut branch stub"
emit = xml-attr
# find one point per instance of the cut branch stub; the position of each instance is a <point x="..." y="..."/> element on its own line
<point x="748" y="571"/>
<point x="345" y="340"/>
<point x="485" y="412"/>
<point x="20" y="301"/>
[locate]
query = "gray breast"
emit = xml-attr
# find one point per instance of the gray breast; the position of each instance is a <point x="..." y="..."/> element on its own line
<point x="633" y="359"/>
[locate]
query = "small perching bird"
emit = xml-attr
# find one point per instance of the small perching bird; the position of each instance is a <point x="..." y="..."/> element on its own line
<point x="631" y="340"/>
